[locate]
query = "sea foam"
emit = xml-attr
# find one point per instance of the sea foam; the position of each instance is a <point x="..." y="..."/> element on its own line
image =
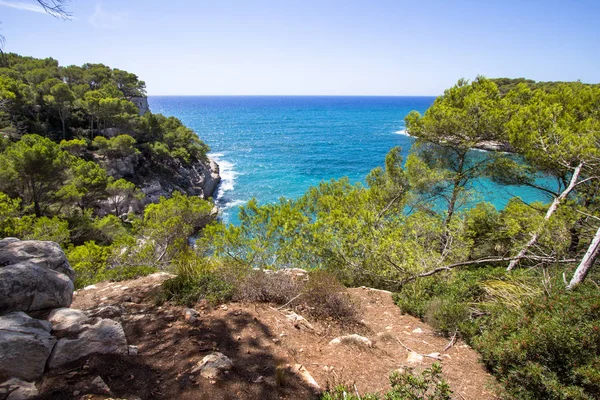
<point x="227" y="172"/>
<point x="402" y="132"/>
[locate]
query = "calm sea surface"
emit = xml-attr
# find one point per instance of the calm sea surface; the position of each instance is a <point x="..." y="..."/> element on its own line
<point x="273" y="146"/>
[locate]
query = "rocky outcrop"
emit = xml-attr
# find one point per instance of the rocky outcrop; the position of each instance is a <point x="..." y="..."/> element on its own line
<point x="34" y="275"/>
<point x="201" y="179"/>
<point x="103" y="337"/>
<point x="141" y="103"/>
<point x="25" y="345"/>
<point x="123" y="167"/>
<point x="44" y="254"/>
<point x="494" y="145"/>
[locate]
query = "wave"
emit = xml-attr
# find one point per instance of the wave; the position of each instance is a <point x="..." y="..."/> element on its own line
<point x="227" y="172"/>
<point x="402" y="132"/>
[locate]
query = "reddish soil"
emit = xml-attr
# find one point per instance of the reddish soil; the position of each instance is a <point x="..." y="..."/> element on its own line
<point x="264" y="347"/>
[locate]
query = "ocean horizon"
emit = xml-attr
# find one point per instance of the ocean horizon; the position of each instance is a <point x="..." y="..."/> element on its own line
<point x="270" y="147"/>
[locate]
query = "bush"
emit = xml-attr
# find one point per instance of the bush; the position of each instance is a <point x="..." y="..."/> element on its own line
<point x="549" y="348"/>
<point x="199" y="278"/>
<point x="325" y="297"/>
<point x="446" y="316"/>
<point x="188" y="291"/>
<point x="267" y="287"/>
<point x="406" y="385"/>
<point x="540" y="342"/>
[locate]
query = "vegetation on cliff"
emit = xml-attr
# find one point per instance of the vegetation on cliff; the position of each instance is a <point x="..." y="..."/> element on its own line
<point x="73" y="148"/>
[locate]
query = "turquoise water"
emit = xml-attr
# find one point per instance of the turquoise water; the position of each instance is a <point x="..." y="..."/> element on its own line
<point x="273" y="146"/>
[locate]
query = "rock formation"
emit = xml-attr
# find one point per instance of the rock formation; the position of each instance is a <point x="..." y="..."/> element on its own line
<point x="36" y="279"/>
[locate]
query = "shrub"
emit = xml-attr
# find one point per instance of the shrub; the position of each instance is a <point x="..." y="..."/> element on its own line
<point x="446" y="315"/>
<point x="325" y="297"/>
<point x="549" y="347"/>
<point x="186" y="291"/>
<point x="406" y="385"/>
<point x="199" y="278"/>
<point x="267" y="287"/>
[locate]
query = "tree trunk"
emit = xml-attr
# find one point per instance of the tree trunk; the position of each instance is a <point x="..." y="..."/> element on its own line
<point x="586" y="262"/>
<point x="64" y="131"/>
<point x="551" y="210"/>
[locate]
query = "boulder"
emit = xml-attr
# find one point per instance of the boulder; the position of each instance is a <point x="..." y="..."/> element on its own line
<point x="213" y="365"/>
<point x="25" y="345"/>
<point x="106" y="312"/>
<point x="17" y="389"/>
<point x="30" y="287"/>
<point x="35" y="252"/>
<point x="68" y="321"/>
<point x="34" y="275"/>
<point x="103" y="337"/>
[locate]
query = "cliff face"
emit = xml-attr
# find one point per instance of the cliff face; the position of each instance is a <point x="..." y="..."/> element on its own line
<point x="141" y="103"/>
<point x="198" y="179"/>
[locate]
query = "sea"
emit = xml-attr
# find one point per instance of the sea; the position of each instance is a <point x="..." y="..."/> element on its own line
<point x="270" y="147"/>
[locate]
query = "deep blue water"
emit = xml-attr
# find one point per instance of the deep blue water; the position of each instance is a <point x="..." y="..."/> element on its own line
<point x="274" y="146"/>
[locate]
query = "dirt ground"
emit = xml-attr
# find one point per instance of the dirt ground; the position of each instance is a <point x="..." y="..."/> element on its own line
<point x="266" y="348"/>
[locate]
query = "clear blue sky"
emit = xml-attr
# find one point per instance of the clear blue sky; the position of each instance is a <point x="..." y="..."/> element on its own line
<point x="328" y="47"/>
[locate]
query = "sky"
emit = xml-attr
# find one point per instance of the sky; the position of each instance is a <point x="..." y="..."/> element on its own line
<point x="315" y="47"/>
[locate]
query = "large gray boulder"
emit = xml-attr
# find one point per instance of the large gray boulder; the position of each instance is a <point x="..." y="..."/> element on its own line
<point x="104" y="337"/>
<point x="25" y="345"/>
<point x="29" y="287"/>
<point x="34" y="275"/>
<point x="35" y="252"/>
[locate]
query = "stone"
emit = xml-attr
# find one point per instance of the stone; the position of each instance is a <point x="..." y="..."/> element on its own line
<point x="352" y="339"/>
<point x="34" y="275"/>
<point x="133" y="350"/>
<point x="299" y="321"/>
<point x="417" y="330"/>
<point x="99" y="386"/>
<point x="25" y="345"/>
<point x="17" y="389"/>
<point x="104" y="337"/>
<point x="213" y="366"/>
<point x="190" y="315"/>
<point x="36" y="252"/>
<point x="68" y="321"/>
<point x="105" y="312"/>
<point x="29" y="287"/>
<point x="414" y="358"/>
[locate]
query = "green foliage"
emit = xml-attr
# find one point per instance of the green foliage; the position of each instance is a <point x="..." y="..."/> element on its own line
<point x="169" y="223"/>
<point x="89" y="262"/>
<point x="34" y="169"/>
<point x="92" y="264"/>
<point x="117" y="147"/>
<point x="406" y="385"/>
<point x="197" y="278"/>
<point x="548" y="347"/>
<point x="121" y="194"/>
